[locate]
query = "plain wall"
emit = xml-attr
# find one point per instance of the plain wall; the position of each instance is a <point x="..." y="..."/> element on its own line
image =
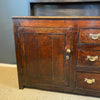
<point x="9" y="8"/>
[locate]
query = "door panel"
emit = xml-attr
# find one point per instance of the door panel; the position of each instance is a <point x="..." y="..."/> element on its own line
<point x="31" y="59"/>
<point x="45" y="56"/>
<point x="45" y="52"/>
<point x="58" y="57"/>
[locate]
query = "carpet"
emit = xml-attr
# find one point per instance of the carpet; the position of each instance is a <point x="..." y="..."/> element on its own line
<point x="9" y="89"/>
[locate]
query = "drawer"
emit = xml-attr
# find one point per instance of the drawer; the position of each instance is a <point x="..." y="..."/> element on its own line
<point x="88" y="58"/>
<point x="89" y="36"/>
<point x="88" y="81"/>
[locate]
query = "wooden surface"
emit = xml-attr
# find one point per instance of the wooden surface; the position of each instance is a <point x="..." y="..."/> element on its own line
<point x="41" y="50"/>
<point x="42" y="55"/>
<point x="83" y="61"/>
<point x="65" y="9"/>
<point x="80" y="81"/>
<point x="84" y="36"/>
<point x="57" y="17"/>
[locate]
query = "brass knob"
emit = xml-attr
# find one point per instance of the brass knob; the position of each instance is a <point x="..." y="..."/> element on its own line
<point x="67" y="57"/>
<point x="68" y="51"/>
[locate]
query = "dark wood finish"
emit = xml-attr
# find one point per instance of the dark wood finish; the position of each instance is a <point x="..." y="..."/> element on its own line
<point x="84" y="61"/>
<point x="64" y="7"/>
<point x="89" y="46"/>
<point x="41" y="50"/>
<point x="80" y="81"/>
<point x="61" y="18"/>
<point x="18" y="58"/>
<point x="44" y="61"/>
<point x="85" y="38"/>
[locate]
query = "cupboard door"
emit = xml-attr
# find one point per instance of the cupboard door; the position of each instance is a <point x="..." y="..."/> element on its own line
<point x="43" y="52"/>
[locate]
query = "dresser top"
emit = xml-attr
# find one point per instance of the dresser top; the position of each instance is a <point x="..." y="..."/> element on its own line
<point x="56" y="17"/>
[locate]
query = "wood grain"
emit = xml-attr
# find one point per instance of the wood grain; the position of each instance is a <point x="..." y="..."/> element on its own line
<point x="57" y="17"/>
<point x="82" y="58"/>
<point x="84" y="36"/>
<point x="44" y="55"/>
<point x="41" y="50"/>
<point x="65" y="9"/>
<point x="80" y="83"/>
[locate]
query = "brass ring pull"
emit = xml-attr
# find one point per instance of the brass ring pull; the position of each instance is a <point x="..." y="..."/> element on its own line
<point x="89" y="81"/>
<point x="94" y="36"/>
<point x="92" y="58"/>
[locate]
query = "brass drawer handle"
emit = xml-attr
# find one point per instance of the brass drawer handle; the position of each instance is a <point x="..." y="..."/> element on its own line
<point x="89" y="81"/>
<point x="94" y="36"/>
<point x="92" y="58"/>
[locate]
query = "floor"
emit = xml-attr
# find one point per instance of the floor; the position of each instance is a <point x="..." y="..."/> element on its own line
<point x="9" y="89"/>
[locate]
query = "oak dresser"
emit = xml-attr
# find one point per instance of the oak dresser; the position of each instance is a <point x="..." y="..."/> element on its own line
<point x="58" y="53"/>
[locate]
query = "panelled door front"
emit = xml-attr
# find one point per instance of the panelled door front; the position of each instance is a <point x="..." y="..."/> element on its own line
<point x="46" y="55"/>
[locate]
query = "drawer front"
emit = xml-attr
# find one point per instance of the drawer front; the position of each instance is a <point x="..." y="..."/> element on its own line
<point x="88" y="58"/>
<point x="88" y="81"/>
<point x="89" y="36"/>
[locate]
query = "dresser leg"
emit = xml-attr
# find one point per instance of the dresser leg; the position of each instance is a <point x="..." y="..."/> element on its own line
<point x="20" y="82"/>
<point x="20" y="79"/>
<point x="21" y="87"/>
